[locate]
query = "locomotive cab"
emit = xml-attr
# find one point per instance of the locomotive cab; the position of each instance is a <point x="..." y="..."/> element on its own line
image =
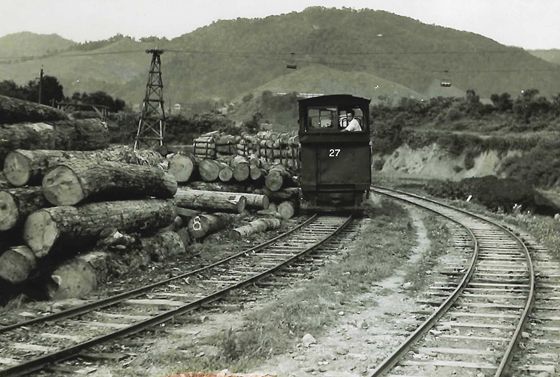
<point x="334" y="134"/>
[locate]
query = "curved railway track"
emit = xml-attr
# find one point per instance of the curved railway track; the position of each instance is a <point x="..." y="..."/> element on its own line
<point x="479" y="321"/>
<point x="35" y="344"/>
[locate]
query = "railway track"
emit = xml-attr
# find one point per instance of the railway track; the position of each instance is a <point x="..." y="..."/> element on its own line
<point x="480" y="320"/>
<point x="39" y="343"/>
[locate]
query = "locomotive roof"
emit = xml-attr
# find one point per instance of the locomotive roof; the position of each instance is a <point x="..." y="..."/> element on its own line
<point x="335" y="99"/>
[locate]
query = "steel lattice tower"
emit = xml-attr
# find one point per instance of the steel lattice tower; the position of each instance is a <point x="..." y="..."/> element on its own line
<point x="151" y="126"/>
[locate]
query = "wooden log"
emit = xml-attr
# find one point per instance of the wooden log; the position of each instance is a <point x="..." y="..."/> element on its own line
<point x="17" y="203"/>
<point x="182" y="167"/>
<point x="210" y="152"/>
<point x="27" y="167"/>
<point x="3" y="181"/>
<point x="16" y="264"/>
<point x="25" y="135"/>
<point x="202" y="225"/>
<point x="253" y="201"/>
<point x="79" y="276"/>
<point x="277" y="178"/>
<point x="218" y="186"/>
<point x="256" y="201"/>
<point x="71" y="182"/>
<point x="185" y="236"/>
<point x="226" y="172"/>
<point x="186" y="213"/>
<point x="255" y="172"/>
<point x="14" y="110"/>
<point x="210" y="200"/>
<point x="58" y="226"/>
<point x="209" y="170"/>
<point x="84" y="273"/>
<point x="286" y="209"/>
<point x="259" y="225"/>
<point x="269" y="213"/>
<point x="81" y="134"/>
<point x="162" y="245"/>
<point x="241" y="169"/>
<point x="287" y="193"/>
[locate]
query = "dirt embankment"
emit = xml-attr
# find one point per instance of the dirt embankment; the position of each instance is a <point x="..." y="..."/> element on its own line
<point x="435" y="162"/>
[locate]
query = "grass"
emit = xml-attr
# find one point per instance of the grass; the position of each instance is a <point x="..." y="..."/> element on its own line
<point x="440" y="241"/>
<point x="384" y="244"/>
<point x="544" y="229"/>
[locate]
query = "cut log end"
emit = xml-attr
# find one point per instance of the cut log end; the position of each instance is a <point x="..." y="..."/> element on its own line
<point x="62" y="187"/>
<point x="16" y="264"/>
<point x="9" y="212"/>
<point x="255" y="172"/>
<point x="170" y="183"/>
<point x="17" y="168"/>
<point x="181" y="167"/>
<point x="274" y="182"/>
<point x="40" y="232"/>
<point x="286" y="210"/>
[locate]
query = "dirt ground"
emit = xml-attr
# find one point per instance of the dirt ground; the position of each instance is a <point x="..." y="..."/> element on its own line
<point x="367" y="330"/>
<point x="373" y="325"/>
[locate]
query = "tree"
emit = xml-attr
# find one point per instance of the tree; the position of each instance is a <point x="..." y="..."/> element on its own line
<point x="11" y="89"/>
<point x="52" y="90"/>
<point x="502" y="102"/>
<point x="99" y="98"/>
<point x="473" y="102"/>
<point x="528" y="104"/>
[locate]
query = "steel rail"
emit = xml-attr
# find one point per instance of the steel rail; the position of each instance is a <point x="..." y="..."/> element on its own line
<point x="392" y="359"/>
<point x="115" y="299"/>
<point x="67" y="353"/>
<point x="501" y="370"/>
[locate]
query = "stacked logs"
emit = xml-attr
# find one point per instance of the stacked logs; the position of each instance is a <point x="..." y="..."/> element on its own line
<point x="271" y="147"/>
<point x="71" y="215"/>
<point x="87" y="210"/>
<point x="260" y="164"/>
<point x="77" y="134"/>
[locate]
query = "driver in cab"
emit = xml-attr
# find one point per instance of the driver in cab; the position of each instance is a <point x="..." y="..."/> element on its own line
<point x="353" y="124"/>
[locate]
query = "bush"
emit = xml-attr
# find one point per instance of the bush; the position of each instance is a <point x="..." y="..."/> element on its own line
<point x="494" y="193"/>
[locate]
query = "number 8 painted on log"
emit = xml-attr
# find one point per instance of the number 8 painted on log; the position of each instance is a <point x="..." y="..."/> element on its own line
<point x="196" y="223"/>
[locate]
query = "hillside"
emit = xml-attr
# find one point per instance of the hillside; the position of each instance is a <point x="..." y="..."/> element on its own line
<point x="322" y="79"/>
<point x="317" y="79"/>
<point x="226" y="59"/>
<point x="552" y="56"/>
<point x="26" y="44"/>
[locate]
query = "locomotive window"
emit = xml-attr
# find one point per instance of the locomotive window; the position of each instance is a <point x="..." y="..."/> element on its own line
<point x="321" y="117"/>
<point x="343" y="118"/>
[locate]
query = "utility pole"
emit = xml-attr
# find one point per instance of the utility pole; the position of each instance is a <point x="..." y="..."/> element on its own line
<point x="41" y="86"/>
<point x="151" y="127"/>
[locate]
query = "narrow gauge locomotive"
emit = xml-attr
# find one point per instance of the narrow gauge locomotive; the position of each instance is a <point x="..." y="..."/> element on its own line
<point x="335" y="172"/>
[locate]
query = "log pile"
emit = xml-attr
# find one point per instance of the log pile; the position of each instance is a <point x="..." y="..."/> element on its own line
<point x="77" y="134"/>
<point x="27" y="167"/>
<point x="71" y="217"/>
<point x="13" y="110"/>
<point x="56" y="234"/>
<point x="271" y="147"/>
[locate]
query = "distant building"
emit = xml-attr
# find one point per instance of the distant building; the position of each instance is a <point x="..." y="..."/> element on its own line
<point x="176" y="109"/>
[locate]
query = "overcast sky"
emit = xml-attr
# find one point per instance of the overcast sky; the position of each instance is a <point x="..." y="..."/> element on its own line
<point x="529" y="24"/>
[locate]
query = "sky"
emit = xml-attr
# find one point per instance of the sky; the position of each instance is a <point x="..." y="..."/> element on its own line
<point x="531" y="24"/>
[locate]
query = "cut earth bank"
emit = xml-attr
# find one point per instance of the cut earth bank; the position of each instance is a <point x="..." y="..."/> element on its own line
<point x="436" y="162"/>
<point x="341" y="322"/>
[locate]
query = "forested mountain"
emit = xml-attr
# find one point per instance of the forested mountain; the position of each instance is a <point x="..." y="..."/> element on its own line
<point x="26" y="44"/>
<point x="230" y="58"/>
